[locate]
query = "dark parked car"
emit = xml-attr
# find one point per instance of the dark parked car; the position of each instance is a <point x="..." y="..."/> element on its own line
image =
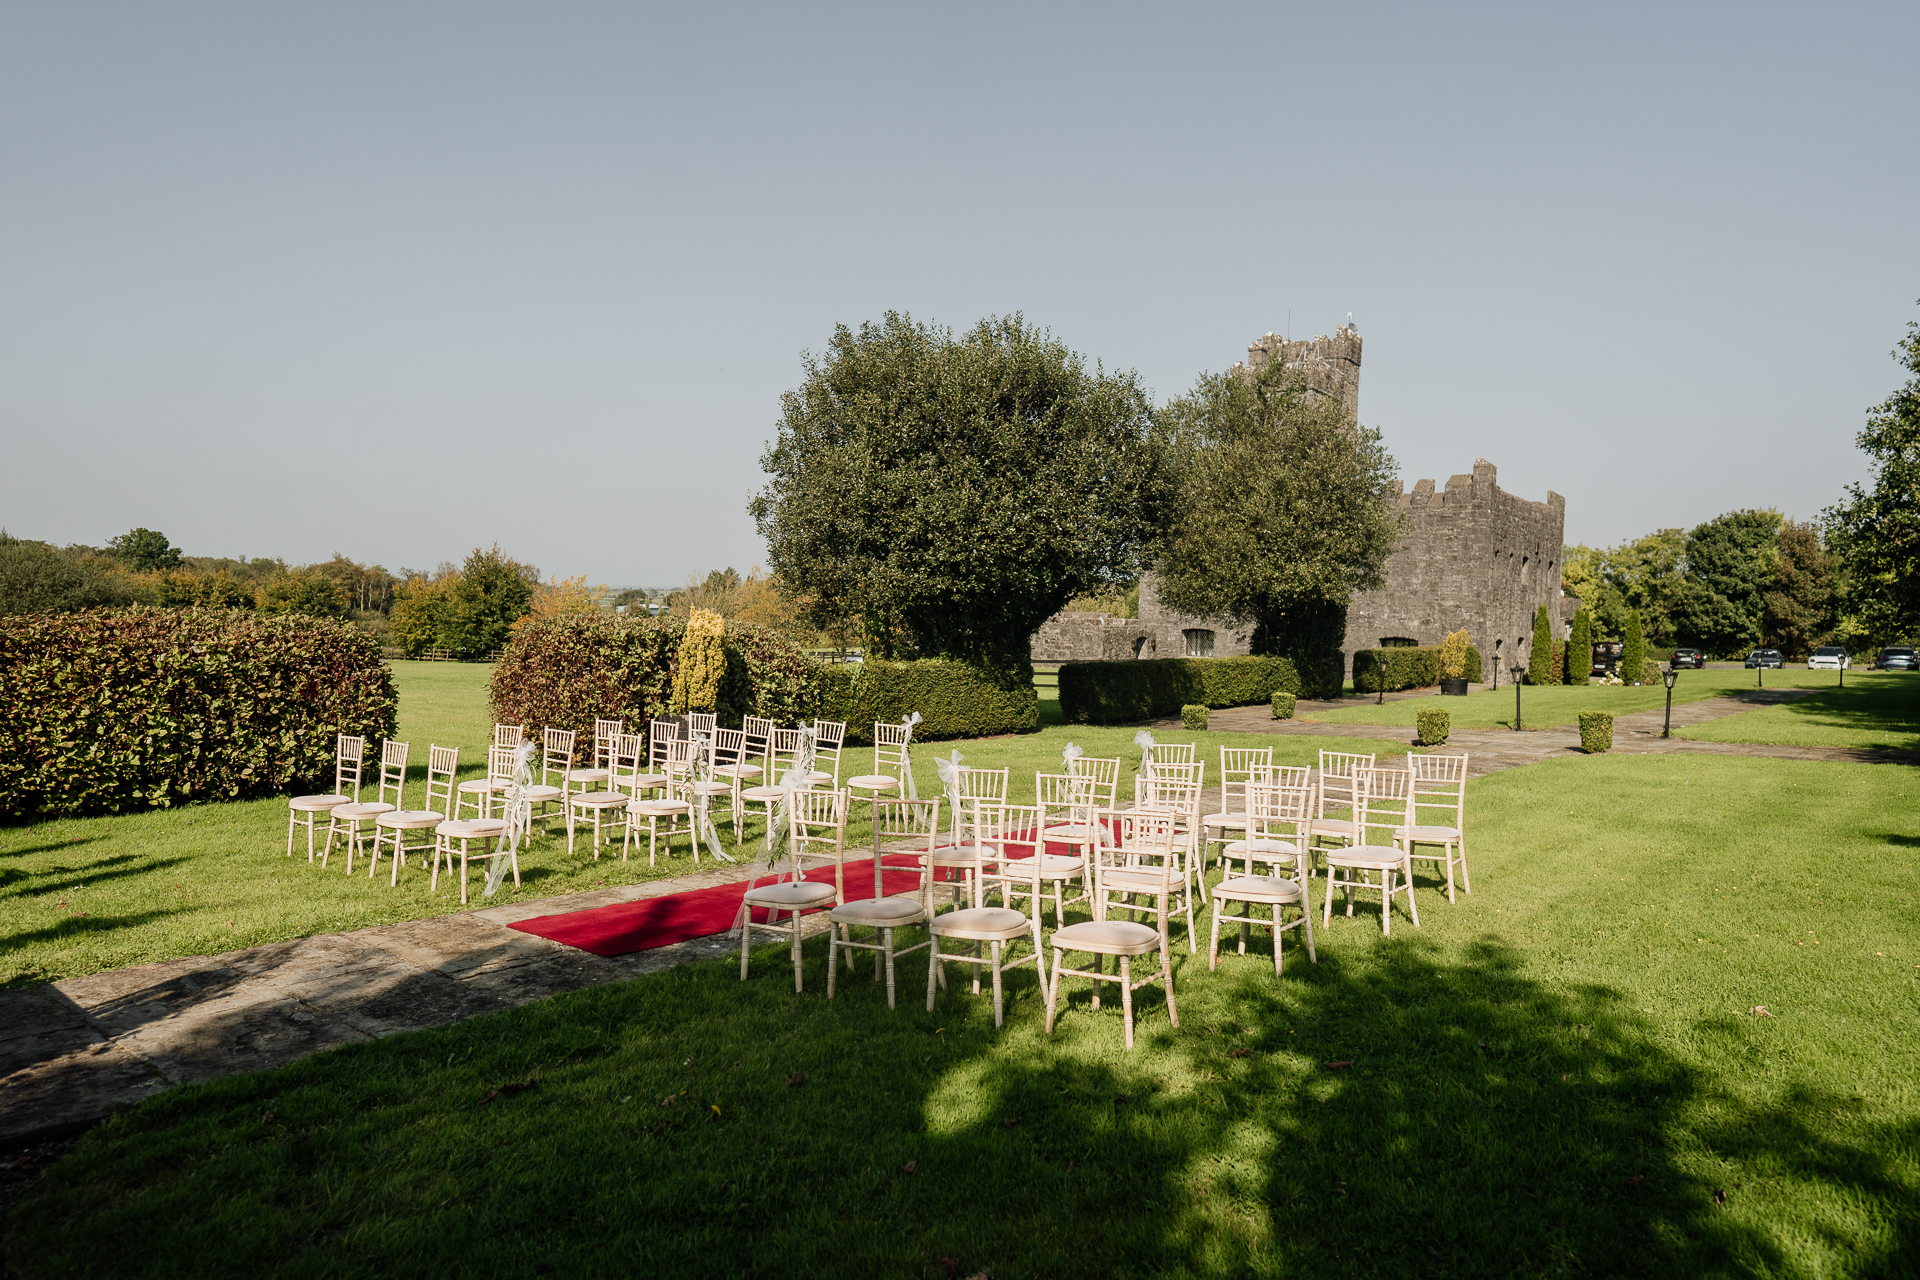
<point x="1899" y="658"/>
<point x="1766" y="658"/>
<point x="1688" y="658"/>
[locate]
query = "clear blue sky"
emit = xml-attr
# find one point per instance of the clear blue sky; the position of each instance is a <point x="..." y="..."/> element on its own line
<point x="399" y="279"/>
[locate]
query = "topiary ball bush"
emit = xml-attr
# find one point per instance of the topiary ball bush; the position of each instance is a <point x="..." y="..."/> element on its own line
<point x="1283" y="706"/>
<point x="1596" y="731"/>
<point x="1433" y="726"/>
<point x="1193" y="716"/>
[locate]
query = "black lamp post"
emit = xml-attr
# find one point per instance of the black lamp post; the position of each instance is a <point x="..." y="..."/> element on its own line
<point x="1759" y="672"/>
<point x="1517" y="670"/>
<point x="1669" y="675"/>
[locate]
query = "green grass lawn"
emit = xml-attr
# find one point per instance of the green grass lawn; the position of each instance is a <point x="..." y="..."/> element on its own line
<point x="1560" y="1075"/>
<point x="1546" y="706"/>
<point x="78" y="895"/>
<point x="1880" y="710"/>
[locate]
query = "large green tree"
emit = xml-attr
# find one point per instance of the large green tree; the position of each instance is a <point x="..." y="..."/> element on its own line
<point x="1875" y="533"/>
<point x="144" y="550"/>
<point x="36" y="578"/>
<point x="1798" y="605"/>
<point x="1281" y="514"/>
<point x="955" y="492"/>
<point x="491" y="594"/>
<point x="1730" y="564"/>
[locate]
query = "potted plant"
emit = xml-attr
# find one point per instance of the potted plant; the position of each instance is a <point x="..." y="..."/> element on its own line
<point x="1453" y="663"/>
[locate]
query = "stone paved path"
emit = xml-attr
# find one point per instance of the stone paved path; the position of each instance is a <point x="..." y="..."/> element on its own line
<point x="74" y="1051"/>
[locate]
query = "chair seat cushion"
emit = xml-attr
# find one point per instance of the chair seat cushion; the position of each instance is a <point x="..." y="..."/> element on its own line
<point x="471" y="828"/>
<point x="409" y="819"/>
<point x="790" y="894"/>
<point x="1241" y="848"/>
<point x="1370" y="857"/>
<point x="879" y="912"/>
<point x="1108" y="937"/>
<point x="1069" y="832"/>
<point x="368" y="810"/>
<point x="1053" y="866"/>
<point x="599" y="799"/>
<point x="981" y="924"/>
<point x="764" y="793"/>
<point x="1331" y="827"/>
<point x="1428" y="835"/>
<point x="659" y="808"/>
<point x="1257" y="889"/>
<point x="875" y="782"/>
<point x="317" y="804"/>
<point x="965" y="855"/>
<point x="817" y="778"/>
<point x="541" y="793"/>
<point x="1235" y="821"/>
<point x="589" y="775"/>
<point x="475" y="786"/>
<point x="714" y="789"/>
<point x="643" y="781"/>
<point x="1132" y="880"/>
<point x="738" y="770"/>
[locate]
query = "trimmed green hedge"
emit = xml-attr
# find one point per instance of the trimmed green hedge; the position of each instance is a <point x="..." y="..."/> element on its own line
<point x="1596" y="731"/>
<point x="110" y="711"/>
<point x="954" y="700"/>
<point x="1433" y="726"/>
<point x="1148" y="689"/>
<point x="1406" y="667"/>
<point x="1283" y="703"/>
<point x="568" y="671"/>
<point x="1195" y="717"/>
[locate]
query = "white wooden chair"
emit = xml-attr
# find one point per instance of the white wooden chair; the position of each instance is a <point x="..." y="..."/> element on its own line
<point x="996" y="927"/>
<point x="1165" y="753"/>
<point x="1381" y="809"/>
<point x="890" y="760"/>
<point x="677" y="812"/>
<point x="478" y="793"/>
<point x="731" y="765"/>
<point x="302" y="810"/>
<point x="1177" y="791"/>
<point x="783" y="754"/>
<point x="465" y="831"/>
<point x="967" y="850"/>
<point x="351" y="821"/>
<point x="702" y="722"/>
<point x="442" y="764"/>
<point x="595" y="776"/>
<point x="1440" y="790"/>
<point x="917" y="824"/>
<point x="556" y="764"/>
<point x="597" y="806"/>
<point x="1064" y="812"/>
<point x="758" y="732"/>
<point x="1134" y="855"/>
<point x="1238" y="767"/>
<point x="1338" y="797"/>
<point x="828" y="736"/>
<point x="1277" y="819"/>
<point x="509" y="735"/>
<point x="817" y="828"/>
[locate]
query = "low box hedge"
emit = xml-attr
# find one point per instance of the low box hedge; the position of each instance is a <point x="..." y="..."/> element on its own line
<point x="1596" y="731"/>
<point x="1195" y="717"/>
<point x="1433" y="726"/>
<point x="1283" y="704"/>
<point x="118" y="710"/>
<point x="1406" y="667"/>
<point x="1152" y="688"/>
<point x="955" y="700"/>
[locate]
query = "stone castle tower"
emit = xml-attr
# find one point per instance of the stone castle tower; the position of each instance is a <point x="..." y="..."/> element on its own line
<point x="1471" y="555"/>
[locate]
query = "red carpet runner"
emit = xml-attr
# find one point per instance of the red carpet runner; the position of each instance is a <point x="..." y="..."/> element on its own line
<point x="626" y="927"/>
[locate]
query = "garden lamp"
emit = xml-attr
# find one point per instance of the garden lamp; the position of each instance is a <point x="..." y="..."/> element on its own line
<point x="1669" y="675"/>
<point x="1517" y="670"/>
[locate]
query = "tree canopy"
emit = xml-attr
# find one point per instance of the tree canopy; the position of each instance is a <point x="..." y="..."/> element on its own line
<point x="1282" y="514"/>
<point x="1875" y="533"/>
<point x="1730" y="564"/>
<point x="955" y="492"/>
<point x="144" y="550"/>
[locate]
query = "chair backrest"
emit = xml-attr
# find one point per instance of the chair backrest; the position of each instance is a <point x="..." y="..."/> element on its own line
<point x="783" y="752"/>
<point x="1138" y="840"/>
<point x="759" y="731"/>
<point x="556" y="756"/>
<point x="1383" y="806"/>
<point x="626" y="756"/>
<point x="347" y="754"/>
<point x="817" y="822"/>
<point x="662" y="734"/>
<point x="915" y="823"/>
<point x="442" y="764"/>
<point x="1150" y="790"/>
<point x="728" y="746"/>
<point x="501" y="765"/>
<point x="1019" y="825"/>
<point x="1440" y="787"/>
<point x="393" y="772"/>
<point x="1067" y="798"/>
<point x="682" y="755"/>
<point x="890" y="748"/>
<point x="1280" y="813"/>
<point x="702" y="722"/>
<point x="604" y="732"/>
<point x="1337" y="772"/>
<point x="1285" y="775"/>
<point x="1238" y="767"/>
<point x="509" y="735"/>
<point x="1104" y="771"/>
<point x="828" y="735"/>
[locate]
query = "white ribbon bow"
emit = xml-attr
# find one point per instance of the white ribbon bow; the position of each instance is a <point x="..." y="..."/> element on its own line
<point x="1070" y="758"/>
<point x="519" y="815"/>
<point x="906" y="755"/>
<point x="1144" y="741"/>
<point x="703" y="772"/>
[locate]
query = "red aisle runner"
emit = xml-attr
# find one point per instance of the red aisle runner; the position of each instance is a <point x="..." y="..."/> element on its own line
<point x="626" y="927"/>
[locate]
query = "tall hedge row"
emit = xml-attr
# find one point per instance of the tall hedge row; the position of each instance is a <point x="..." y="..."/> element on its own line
<point x="118" y="710"/>
<point x="1406" y="667"/>
<point x="566" y="672"/>
<point x="955" y="700"/>
<point x="1151" y="688"/>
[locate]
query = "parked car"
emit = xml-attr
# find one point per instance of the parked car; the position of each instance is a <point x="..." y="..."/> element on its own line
<point x="1766" y="658"/>
<point x="1829" y="657"/>
<point x="1898" y="658"/>
<point x="1688" y="658"/>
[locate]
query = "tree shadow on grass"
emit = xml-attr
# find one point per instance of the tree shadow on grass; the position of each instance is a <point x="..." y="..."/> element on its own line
<point x="1484" y="1123"/>
<point x="73" y="842"/>
<point x="116" y="868"/>
<point x="73" y="927"/>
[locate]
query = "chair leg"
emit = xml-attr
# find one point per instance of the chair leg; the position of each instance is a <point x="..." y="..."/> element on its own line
<point x="1126" y="996"/>
<point x="1466" y="881"/>
<point x="746" y="942"/>
<point x="798" y="982"/>
<point x="1306" y="917"/>
<point x="1413" y="908"/>
<point x="1166" y="981"/>
<point x="834" y="934"/>
<point x="997" y="1019"/>
<point x="1213" y="946"/>
<point x="933" y="963"/>
<point x="887" y="934"/>
<point x="1053" y="988"/>
<point x="292" y="818"/>
<point x="1276" y="940"/>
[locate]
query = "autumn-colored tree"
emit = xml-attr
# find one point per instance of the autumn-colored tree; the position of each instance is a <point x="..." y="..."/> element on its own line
<point x="703" y="661"/>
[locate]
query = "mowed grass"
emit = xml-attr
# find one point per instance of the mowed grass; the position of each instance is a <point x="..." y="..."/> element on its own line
<point x="1567" y="1073"/>
<point x="79" y="895"/>
<point x="1547" y="706"/>
<point x="1873" y="711"/>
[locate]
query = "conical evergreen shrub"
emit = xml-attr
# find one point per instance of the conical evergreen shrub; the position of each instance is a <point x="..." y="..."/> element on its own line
<point x="1633" y="650"/>
<point x="1540" y="658"/>
<point x="1580" y="649"/>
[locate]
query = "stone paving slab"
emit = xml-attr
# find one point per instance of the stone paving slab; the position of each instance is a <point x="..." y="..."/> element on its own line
<point x="74" y="1051"/>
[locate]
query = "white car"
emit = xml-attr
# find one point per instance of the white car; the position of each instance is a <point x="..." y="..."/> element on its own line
<point x="1830" y="657"/>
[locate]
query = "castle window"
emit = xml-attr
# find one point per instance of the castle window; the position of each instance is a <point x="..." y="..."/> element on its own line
<point x="1399" y="642"/>
<point x="1199" y="643"/>
<point x="1139" y="643"/>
